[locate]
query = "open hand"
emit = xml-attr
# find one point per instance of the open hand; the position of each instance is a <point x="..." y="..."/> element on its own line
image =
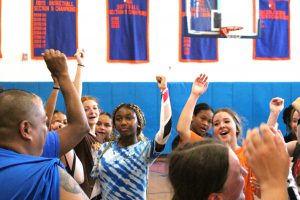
<point x="200" y="85"/>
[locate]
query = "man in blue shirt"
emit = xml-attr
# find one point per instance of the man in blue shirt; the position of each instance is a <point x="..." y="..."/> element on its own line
<point x="23" y="132"/>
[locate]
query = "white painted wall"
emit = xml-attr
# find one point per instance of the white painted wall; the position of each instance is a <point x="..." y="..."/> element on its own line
<point x="235" y="56"/>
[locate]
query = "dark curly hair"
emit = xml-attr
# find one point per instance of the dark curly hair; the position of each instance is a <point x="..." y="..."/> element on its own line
<point x="201" y="106"/>
<point x="139" y="114"/>
<point x="287" y="117"/>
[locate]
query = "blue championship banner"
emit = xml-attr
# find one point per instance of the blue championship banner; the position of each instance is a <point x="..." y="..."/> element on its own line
<point x="53" y="26"/>
<point x="127" y="23"/>
<point x="193" y="48"/>
<point x="274" y="41"/>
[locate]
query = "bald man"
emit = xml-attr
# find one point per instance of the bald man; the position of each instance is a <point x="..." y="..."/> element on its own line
<point x="23" y="132"/>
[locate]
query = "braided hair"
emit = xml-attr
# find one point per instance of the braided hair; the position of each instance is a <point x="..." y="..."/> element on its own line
<point x="139" y="114"/>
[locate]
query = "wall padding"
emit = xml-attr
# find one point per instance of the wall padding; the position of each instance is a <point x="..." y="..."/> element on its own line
<point x="249" y="99"/>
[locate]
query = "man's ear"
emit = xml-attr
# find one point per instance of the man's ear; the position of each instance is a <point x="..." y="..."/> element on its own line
<point x="215" y="196"/>
<point x="24" y="129"/>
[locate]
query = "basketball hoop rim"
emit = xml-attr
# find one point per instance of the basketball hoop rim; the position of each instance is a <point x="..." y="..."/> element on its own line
<point x="225" y="30"/>
<point x="235" y="28"/>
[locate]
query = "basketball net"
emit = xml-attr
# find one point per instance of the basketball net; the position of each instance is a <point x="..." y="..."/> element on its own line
<point x="224" y="31"/>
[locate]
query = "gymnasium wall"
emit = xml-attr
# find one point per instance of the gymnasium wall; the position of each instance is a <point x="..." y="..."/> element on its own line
<point x="249" y="99"/>
<point x="236" y="80"/>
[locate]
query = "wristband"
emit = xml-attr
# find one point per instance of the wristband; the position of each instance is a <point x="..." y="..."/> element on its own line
<point x="81" y="65"/>
<point x="56" y="88"/>
<point x="164" y="90"/>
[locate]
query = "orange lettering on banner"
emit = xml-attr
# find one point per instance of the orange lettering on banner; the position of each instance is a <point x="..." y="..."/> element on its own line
<point x="41" y="8"/>
<point x="200" y="10"/>
<point x="54" y="3"/>
<point x="40" y="3"/>
<point x="127" y="8"/>
<point x="39" y="30"/>
<point x="186" y="45"/>
<point x="65" y="9"/>
<point x="115" y="22"/>
<point x="120" y="6"/>
<point x="120" y="12"/>
<point x="62" y="6"/>
<point x="39" y="24"/>
<point x="39" y="15"/>
<point x="269" y="14"/>
<point x="40" y="19"/>
<point x="273" y="13"/>
<point x="39" y="33"/>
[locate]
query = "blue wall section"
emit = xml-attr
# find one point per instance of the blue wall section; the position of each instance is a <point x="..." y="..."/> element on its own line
<point x="249" y="99"/>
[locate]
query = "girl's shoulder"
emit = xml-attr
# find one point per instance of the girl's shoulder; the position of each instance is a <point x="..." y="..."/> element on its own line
<point x="105" y="146"/>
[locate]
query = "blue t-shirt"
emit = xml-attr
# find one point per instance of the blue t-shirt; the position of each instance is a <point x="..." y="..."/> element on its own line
<point x="123" y="171"/>
<point x="28" y="177"/>
<point x="51" y="147"/>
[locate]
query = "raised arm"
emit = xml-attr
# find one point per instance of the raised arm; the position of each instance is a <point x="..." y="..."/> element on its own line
<point x="276" y="106"/>
<point x="165" y="115"/>
<point x="51" y="102"/>
<point x="268" y="158"/>
<point x="78" y="126"/>
<point x="183" y="126"/>
<point x="80" y="64"/>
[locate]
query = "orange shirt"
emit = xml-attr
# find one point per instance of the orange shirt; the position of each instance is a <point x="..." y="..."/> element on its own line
<point x="249" y="195"/>
<point x="194" y="137"/>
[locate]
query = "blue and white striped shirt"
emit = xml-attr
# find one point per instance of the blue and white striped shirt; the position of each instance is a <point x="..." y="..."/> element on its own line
<point x="123" y="171"/>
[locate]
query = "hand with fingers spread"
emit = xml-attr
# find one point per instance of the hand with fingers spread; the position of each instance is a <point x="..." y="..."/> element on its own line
<point x="195" y="119"/>
<point x="56" y="62"/>
<point x="268" y="158"/>
<point x="162" y="82"/>
<point x="200" y="85"/>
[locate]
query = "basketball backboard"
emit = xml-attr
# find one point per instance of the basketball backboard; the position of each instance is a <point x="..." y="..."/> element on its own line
<point x="223" y="18"/>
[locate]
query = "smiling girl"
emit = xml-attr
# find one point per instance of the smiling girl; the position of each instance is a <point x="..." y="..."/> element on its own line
<point x="227" y="127"/>
<point x="122" y="166"/>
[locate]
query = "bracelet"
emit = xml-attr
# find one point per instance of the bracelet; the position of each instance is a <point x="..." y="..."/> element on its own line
<point x="81" y="65"/>
<point x="56" y="88"/>
<point x="164" y="90"/>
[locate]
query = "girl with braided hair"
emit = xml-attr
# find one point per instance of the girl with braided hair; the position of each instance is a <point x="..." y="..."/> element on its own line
<point x="122" y="165"/>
